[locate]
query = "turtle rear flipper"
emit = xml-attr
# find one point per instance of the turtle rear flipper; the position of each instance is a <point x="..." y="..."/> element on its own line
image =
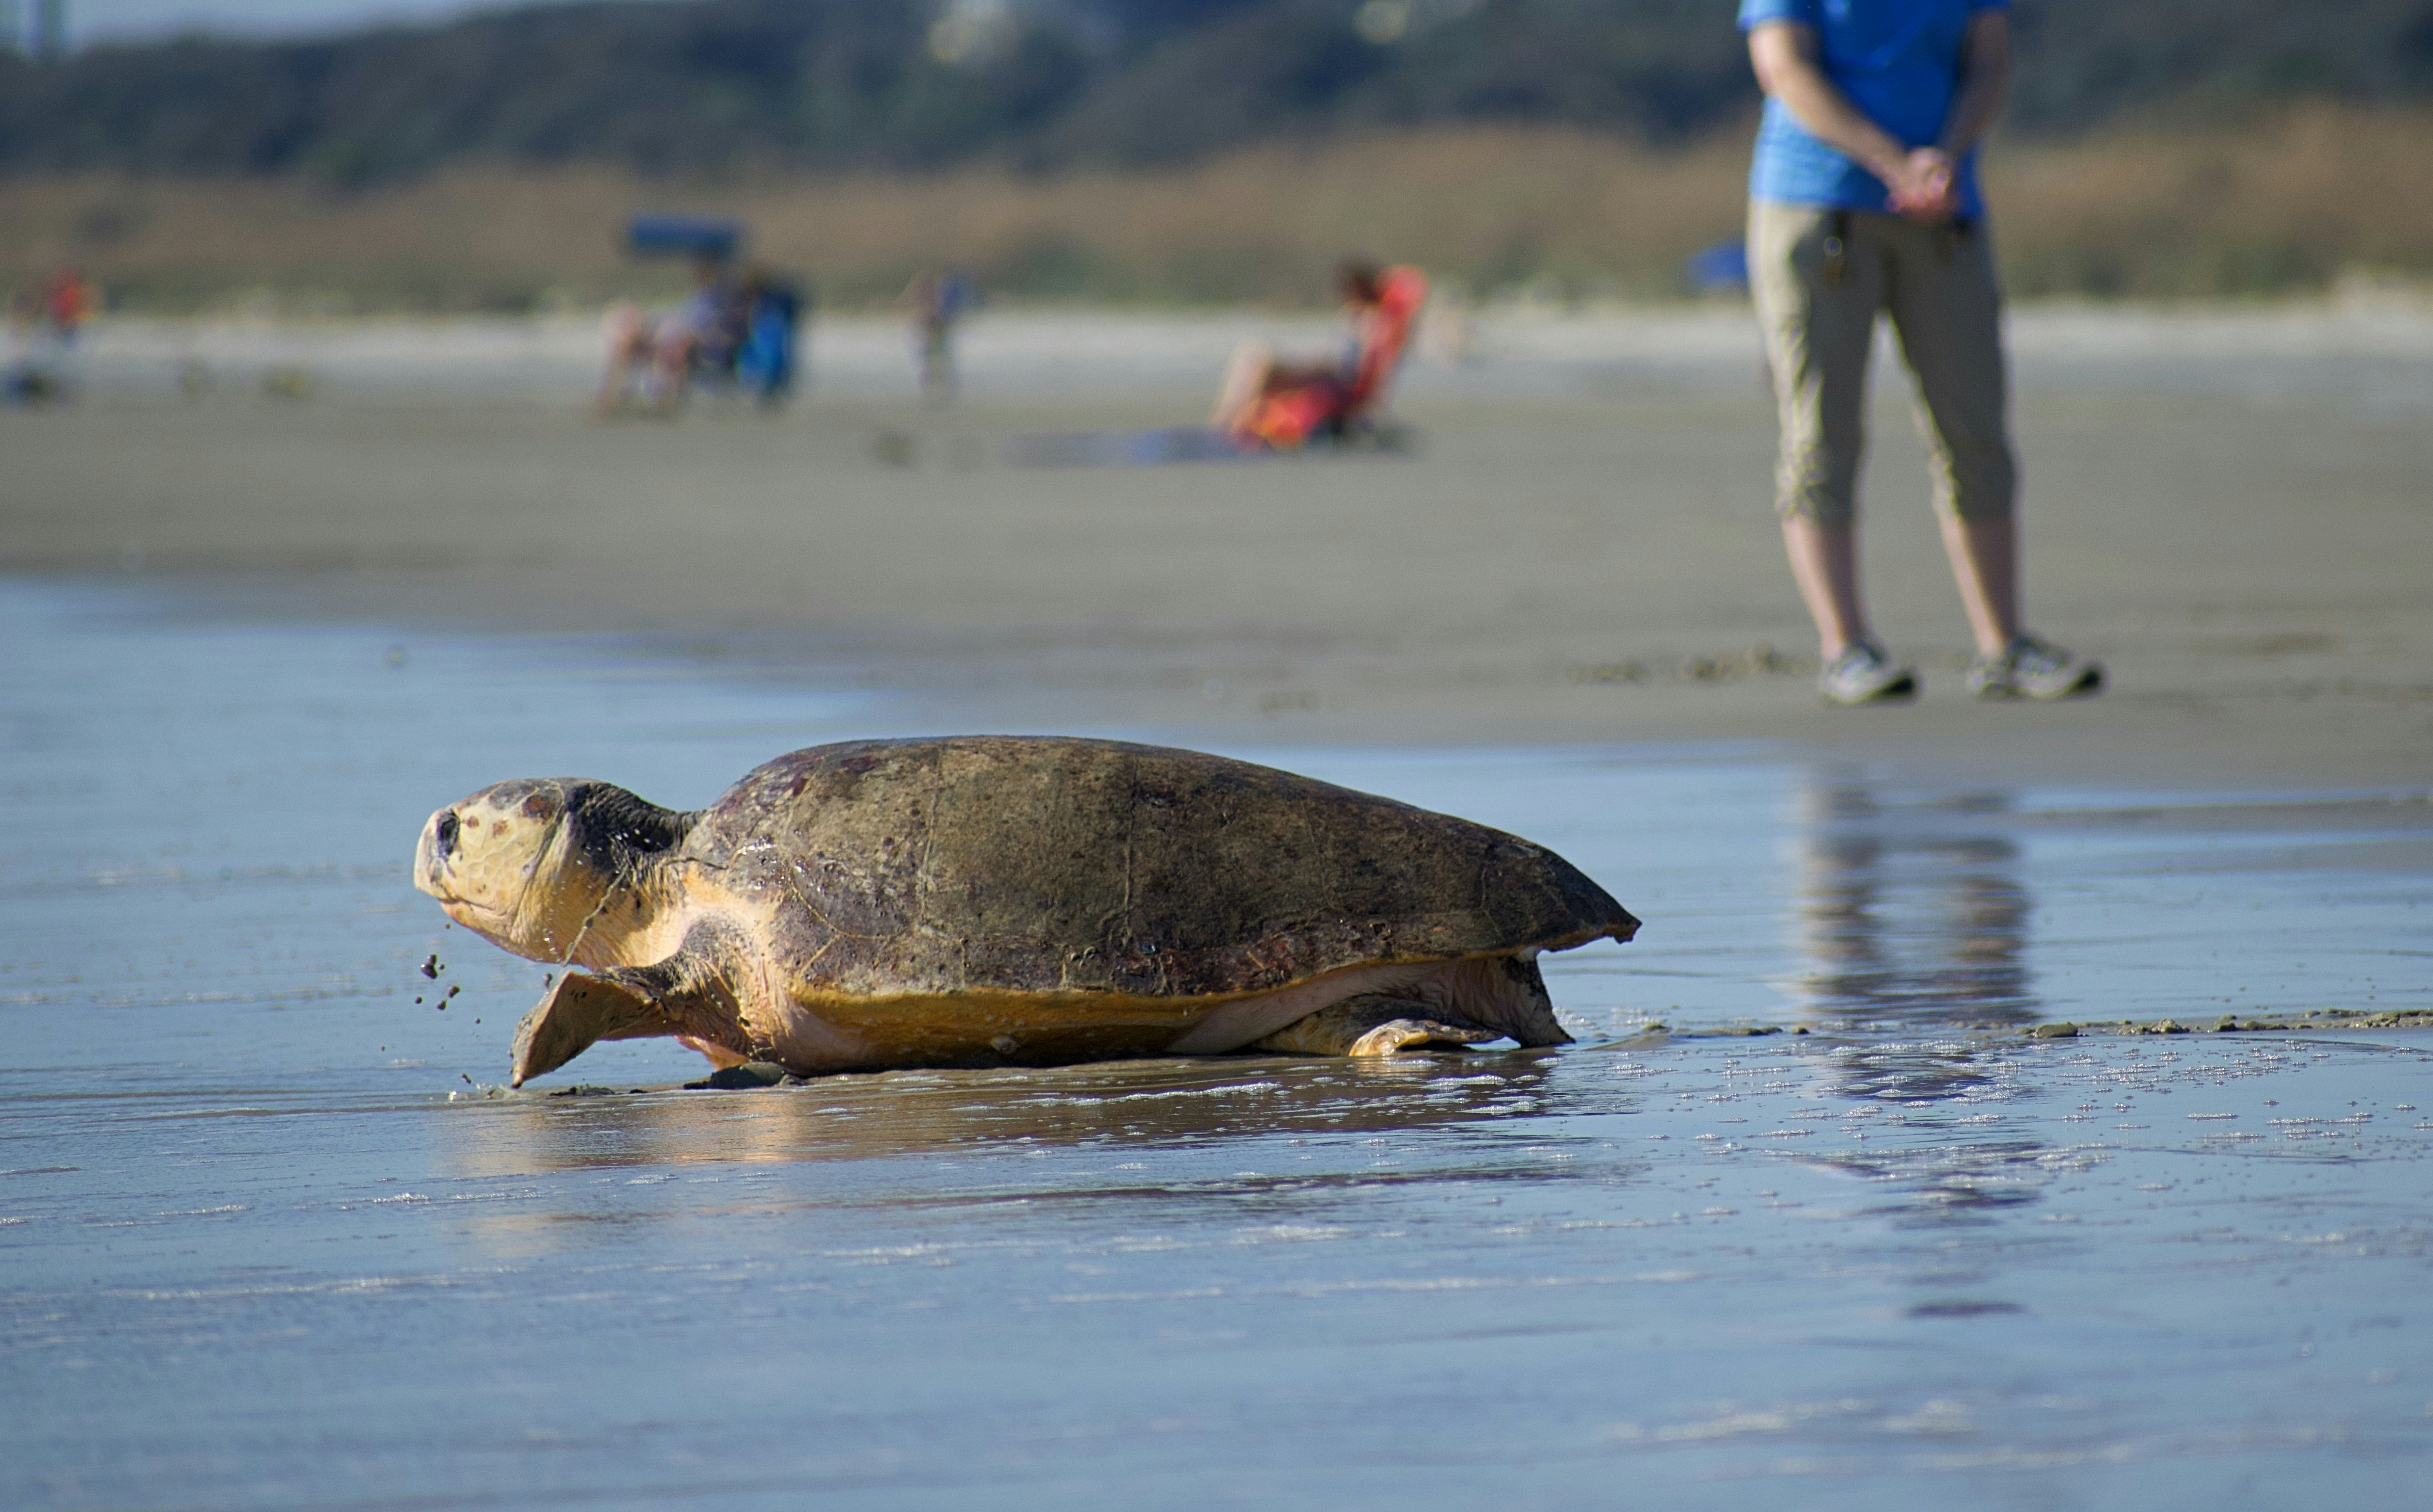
<point x="1373" y="1024"/>
<point x="1506" y="993"/>
<point x="685" y="995"/>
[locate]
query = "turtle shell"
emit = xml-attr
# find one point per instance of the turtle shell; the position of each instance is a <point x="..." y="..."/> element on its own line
<point x="998" y="866"/>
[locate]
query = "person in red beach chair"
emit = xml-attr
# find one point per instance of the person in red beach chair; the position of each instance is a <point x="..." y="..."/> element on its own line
<point x="1282" y="405"/>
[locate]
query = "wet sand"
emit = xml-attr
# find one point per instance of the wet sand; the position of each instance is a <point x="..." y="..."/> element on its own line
<point x="271" y="1236"/>
<point x="2229" y="509"/>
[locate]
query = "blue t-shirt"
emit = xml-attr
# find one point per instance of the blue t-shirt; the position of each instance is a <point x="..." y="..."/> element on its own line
<point x="1898" y="60"/>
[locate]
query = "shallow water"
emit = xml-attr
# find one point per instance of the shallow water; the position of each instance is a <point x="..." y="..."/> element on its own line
<point x="268" y="1242"/>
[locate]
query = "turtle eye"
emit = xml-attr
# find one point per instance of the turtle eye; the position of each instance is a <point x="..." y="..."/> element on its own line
<point x="445" y="834"/>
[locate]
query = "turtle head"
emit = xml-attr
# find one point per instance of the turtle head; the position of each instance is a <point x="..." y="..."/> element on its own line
<point x="531" y="863"/>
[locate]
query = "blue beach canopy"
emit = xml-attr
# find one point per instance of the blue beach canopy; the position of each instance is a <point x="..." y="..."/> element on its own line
<point x="683" y="236"/>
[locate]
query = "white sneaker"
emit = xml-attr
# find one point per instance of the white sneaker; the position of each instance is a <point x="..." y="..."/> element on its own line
<point x="2030" y="668"/>
<point x="1863" y="674"/>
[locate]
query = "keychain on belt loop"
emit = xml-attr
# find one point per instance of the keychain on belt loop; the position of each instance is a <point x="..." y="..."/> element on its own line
<point x="1949" y="235"/>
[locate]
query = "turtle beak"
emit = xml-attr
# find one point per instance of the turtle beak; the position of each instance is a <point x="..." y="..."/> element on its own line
<point x="431" y="853"/>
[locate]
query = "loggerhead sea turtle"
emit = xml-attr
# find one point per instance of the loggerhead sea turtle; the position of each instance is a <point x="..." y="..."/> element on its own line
<point x="990" y="900"/>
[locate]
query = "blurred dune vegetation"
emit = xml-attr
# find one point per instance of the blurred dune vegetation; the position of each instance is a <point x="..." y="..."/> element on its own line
<point x="1177" y="151"/>
<point x="2276" y="206"/>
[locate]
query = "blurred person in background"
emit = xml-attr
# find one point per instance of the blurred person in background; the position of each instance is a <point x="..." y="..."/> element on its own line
<point x="652" y="362"/>
<point x="938" y="301"/>
<point x="1863" y="199"/>
<point x="23" y="379"/>
<point x="777" y="315"/>
<point x="68" y="302"/>
<point x="37" y="355"/>
<point x="1282" y="405"/>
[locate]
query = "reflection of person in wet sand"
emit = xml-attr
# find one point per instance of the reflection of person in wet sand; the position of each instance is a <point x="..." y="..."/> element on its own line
<point x="1277" y="404"/>
<point x="1914" y="916"/>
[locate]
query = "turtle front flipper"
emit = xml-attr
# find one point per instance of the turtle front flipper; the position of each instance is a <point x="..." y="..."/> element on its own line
<point x="686" y="996"/>
<point x="579" y="1012"/>
<point x="1373" y="1024"/>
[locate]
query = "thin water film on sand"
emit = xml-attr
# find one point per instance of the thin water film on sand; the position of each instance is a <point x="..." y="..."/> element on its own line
<point x="254" y="1196"/>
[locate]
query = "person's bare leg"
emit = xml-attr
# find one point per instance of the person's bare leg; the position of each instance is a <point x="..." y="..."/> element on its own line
<point x="1825" y="564"/>
<point x="626" y="336"/>
<point x="672" y="370"/>
<point x="616" y="380"/>
<point x="1947" y="307"/>
<point x="1985" y="561"/>
<point x="1245" y="378"/>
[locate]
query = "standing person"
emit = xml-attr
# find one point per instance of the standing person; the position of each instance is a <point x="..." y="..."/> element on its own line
<point x="1862" y="197"/>
<point x="938" y="301"/>
<point x="68" y="301"/>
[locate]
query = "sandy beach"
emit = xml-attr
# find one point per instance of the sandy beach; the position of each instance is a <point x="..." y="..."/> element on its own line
<point x="2229" y="506"/>
<point x="2000" y="1107"/>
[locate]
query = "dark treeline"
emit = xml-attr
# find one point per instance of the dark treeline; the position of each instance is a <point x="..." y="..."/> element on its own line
<point x="717" y="84"/>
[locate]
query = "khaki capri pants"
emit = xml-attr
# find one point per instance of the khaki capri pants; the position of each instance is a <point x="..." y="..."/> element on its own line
<point x="1937" y="284"/>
